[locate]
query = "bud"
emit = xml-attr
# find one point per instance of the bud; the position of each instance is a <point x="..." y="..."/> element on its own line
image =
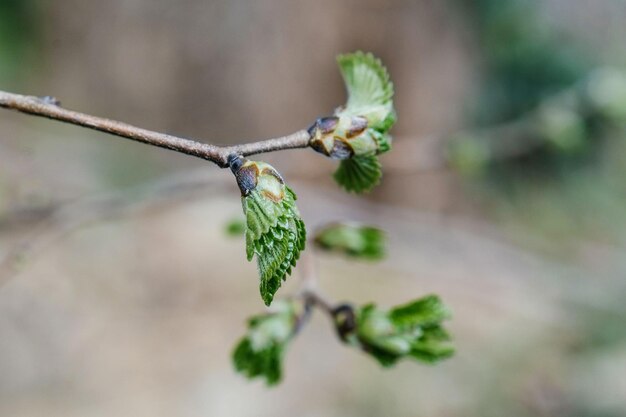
<point x="413" y="330"/>
<point x="357" y="131"/>
<point x="345" y="321"/>
<point x="346" y="137"/>
<point x="275" y="233"/>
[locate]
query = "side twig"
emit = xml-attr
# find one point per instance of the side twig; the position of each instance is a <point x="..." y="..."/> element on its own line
<point x="50" y="108"/>
<point x="308" y="285"/>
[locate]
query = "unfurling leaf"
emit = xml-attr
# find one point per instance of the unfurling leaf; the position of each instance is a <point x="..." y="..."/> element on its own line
<point x="357" y="132"/>
<point x="359" y="174"/>
<point x="370" y="91"/>
<point x="426" y="311"/>
<point x="275" y="233"/>
<point x="353" y="240"/>
<point x="260" y="353"/>
<point x="411" y="331"/>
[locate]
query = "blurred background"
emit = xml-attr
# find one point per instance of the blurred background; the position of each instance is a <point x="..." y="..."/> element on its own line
<point x="121" y="294"/>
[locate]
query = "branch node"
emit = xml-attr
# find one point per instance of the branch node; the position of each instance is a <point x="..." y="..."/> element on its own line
<point x="50" y="100"/>
<point x="235" y="162"/>
<point x="345" y="320"/>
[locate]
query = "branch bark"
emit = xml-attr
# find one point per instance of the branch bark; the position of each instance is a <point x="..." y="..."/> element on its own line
<point x="50" y="108"/>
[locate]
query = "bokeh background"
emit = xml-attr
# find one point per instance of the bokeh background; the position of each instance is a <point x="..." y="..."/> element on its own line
<point x="121" y="294"/>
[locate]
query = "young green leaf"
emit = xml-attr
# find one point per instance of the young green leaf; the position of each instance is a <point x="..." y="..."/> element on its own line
<point x="357" y="132"/>
<point x="370" y="91"/>
<point x="412" y="331"/>
<point x="275" y="233"/>
<point x="260" y="353"/>
<point x="353" y="240"/>
<point x="359" y="174"/>
<point x="426" y="311"/>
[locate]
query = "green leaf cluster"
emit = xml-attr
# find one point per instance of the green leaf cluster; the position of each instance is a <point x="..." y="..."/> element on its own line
<point x="412" y="331"/>
<point x="370" y="94"/>
<point x="275" y="233"/>
<point x="259" y="354"/>
<point x="358" y="131"/>
<point x="354" y="240"/>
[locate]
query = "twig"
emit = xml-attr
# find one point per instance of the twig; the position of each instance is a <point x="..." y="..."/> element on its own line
<point x="308" y="291"/>
<point x="308" y="285"/>
<point x="50" y="108"/>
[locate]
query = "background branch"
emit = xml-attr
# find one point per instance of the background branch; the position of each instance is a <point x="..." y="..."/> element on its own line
<point x="50" y="108"/>
<point x="51" y="223"/>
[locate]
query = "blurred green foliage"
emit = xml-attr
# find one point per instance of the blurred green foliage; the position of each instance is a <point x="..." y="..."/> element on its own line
<point x="351" y="239"/>
<point x="235" y="227"/>
<point x="524" y="61"/>
<point x="260" y="353"/>
<point x="20" y="37"/>
<point x="601" y="329"/>
<point x="545" y="148"/>
<point x="525" y="64"/>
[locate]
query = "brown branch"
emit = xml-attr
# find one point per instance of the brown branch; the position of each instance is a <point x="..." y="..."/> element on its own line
<point x="50" y="108"/>
<point x="308" y="285"/>
<point x="309" y="292"/>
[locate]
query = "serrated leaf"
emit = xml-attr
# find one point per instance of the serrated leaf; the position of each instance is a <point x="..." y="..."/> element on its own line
<point x="370" y="91"/>
<point x="260" y="353"/>
<point x="275" y="233"/>
<point x="359" y="174"/>
<point x="278" y="246"/>
<point x="357" y="132"/>
<point x="353" y="240"/>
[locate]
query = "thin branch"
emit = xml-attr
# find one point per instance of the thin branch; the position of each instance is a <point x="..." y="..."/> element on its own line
<point x="309" y="292"/>
<point x="50" y="108"/>
<point x="308" y="285"/>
